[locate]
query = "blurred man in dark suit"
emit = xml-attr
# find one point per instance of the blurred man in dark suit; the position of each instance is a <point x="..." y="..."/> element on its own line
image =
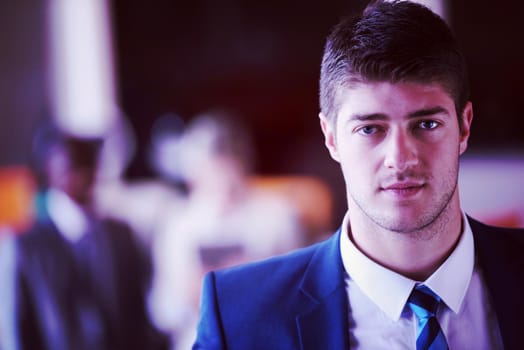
<point x="81" y="278"/>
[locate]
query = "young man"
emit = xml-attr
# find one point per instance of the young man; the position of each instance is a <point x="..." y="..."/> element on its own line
<point x="407" y="269"/>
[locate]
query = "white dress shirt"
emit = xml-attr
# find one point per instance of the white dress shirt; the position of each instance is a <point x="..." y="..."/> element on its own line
<point x="380" y="319"/>
<point x="68" y="217"/>
<point x="258" y="226"/>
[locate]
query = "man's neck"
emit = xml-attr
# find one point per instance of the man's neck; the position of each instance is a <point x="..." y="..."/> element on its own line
<point x="416" y="254"/>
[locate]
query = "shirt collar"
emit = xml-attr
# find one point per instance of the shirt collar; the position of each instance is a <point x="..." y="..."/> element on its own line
<point x="68" y="217"/>
<point x="390" y="290"/>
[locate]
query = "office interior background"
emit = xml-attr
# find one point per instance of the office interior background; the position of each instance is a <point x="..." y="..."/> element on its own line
<point x="93" y="61"/>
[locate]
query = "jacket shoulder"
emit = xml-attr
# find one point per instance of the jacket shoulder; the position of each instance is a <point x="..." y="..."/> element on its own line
<point x="499" y="252"/>
<point x="237" y="301"/>
<point x="267" y="272"/>
<point x="496" y="235"/>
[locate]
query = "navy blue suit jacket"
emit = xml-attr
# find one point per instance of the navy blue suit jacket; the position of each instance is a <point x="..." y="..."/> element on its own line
<point x="298" y="300"/>
<point x="86" y="295"/>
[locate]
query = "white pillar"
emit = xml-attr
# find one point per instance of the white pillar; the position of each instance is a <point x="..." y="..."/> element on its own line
<point x="440" y="7"/>
<point x="82" y="89"/>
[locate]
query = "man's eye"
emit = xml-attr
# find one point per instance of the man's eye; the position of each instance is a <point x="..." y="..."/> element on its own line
<point x="368" y="130"/>
<point x="428" y="124"/>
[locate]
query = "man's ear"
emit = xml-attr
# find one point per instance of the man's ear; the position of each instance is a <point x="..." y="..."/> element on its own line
<point x="328" y="129"/>
<point x="465" y="127"/>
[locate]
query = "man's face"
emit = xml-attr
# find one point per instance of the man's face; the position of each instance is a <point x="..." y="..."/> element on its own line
<point x="73" y="172"/>
<point x="398" y="146"/>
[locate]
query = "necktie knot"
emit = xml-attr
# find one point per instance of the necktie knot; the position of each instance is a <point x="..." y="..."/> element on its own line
<point x="424" y="303"/>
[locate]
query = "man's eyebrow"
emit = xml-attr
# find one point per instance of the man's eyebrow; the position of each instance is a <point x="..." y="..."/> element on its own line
<point x="416" y="114"/>
<point x="365" y="117"/>
<point x="428" y="111"/>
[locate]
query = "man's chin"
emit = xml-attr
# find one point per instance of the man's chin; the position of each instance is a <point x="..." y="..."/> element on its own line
<point x="404" y="224"/>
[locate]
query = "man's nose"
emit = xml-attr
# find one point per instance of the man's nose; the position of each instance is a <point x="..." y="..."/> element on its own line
<point x="400" y="151"/>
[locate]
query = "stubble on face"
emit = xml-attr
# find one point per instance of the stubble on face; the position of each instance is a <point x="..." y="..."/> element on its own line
<point x="432" y="215"/>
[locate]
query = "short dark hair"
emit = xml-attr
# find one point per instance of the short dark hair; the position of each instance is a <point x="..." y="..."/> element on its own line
<point x="392" y="41"/>
<point x="48" y="139"/>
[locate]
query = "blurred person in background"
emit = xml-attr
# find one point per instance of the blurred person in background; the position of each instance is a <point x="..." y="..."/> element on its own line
<point x="225" y="221"/>
<point x="142" y="203"/>
<point x="81" y="278"/>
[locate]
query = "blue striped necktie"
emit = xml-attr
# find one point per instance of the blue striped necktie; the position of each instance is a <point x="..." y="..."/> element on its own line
<point x="424" y="304"/>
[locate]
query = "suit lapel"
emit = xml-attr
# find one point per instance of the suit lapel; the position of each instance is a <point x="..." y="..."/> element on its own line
<point x="323" y="323"/>
<point x="502" y="263"/>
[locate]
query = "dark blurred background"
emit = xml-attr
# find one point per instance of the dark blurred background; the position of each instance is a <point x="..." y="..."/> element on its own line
<point x="262" y="60"/>
<point x="259" y="59"/>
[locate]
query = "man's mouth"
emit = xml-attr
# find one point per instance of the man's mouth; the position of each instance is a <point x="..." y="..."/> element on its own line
<point x="403" y="189"/>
